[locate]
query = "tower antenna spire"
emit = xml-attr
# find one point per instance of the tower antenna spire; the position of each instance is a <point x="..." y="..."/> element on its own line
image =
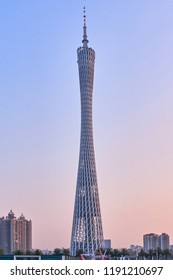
<point x="85" y="40"/>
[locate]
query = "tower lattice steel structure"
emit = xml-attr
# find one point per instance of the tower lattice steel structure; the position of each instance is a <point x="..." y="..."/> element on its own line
<point x="87" y="232"/>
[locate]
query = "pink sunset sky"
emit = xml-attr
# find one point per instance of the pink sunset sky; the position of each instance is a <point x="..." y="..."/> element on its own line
<point x="132" y="115"/>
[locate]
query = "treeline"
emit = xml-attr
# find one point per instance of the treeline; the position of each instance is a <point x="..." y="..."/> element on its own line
<point x="112" y="254"/>
<point x="140" y="255"/>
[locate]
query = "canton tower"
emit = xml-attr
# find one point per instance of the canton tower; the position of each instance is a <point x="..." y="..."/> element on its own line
<point x="87" y="232"/>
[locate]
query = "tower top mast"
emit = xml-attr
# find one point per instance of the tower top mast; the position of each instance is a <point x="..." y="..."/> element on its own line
<point x="85" y="40"/>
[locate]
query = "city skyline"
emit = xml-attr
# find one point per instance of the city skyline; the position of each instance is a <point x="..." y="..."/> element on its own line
<point x="40" y="115"/>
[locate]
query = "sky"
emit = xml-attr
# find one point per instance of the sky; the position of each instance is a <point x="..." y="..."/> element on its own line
<point x="132" y="115"/>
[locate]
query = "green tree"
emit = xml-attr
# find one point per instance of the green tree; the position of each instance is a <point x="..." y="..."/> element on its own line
<point x="158" y="253"/>
<point x="66" y="251"/>
<point x="79" y="252"/>
<point x="141" y="255"/>
<point x="116" y="254"/>
<point x="124" y="252"/>
<point x="18" y="252"/>
<point x="28" y="252"/>
<point x="1" y="251"/>
<point x="151" y="254"/>
<point x="166" y="253"/>
<point x="57" y="251"/>
<point x="109" y="252"/>
<point x="37" y="252"/>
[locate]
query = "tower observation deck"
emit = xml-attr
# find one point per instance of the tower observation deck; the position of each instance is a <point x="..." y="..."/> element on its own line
<point x="87" y="232"/>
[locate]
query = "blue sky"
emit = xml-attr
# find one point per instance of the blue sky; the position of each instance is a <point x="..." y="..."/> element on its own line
<point x="132" y="111"/>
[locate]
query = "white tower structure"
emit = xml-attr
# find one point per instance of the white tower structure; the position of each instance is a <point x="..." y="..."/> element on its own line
<point x="87" y="232"/>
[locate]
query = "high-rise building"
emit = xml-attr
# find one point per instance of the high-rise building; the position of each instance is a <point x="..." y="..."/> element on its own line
<point x="153" y="241"/>
<point x="163" y="241"/>
<point x="87" y="232"/>
<point x="107" y="243"/>
<point x="15" y="234"/>
<point x="150" y="241"/>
